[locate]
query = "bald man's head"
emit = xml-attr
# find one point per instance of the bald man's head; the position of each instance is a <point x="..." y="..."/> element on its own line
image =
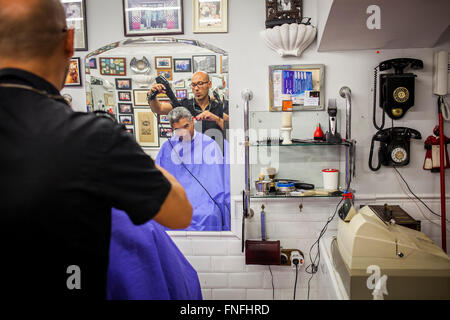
<point x="30" y="28"/>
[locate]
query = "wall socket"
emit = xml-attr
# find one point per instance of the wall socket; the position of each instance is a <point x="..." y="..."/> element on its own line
<point x="287" y="254"/>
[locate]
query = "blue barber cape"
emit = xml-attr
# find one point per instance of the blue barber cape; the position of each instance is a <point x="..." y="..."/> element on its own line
<point x="145" y="264"/>
<point x="203" y="157"/>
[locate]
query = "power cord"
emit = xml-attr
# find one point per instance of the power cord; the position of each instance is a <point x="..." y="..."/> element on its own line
<point x="445" y="108"/>
<point x="273" y="287"/>
<point x="415" y="194"/>
<point x="296" y="275"/>
<point x="415" y="201"/>
<point x="314" y="266"/>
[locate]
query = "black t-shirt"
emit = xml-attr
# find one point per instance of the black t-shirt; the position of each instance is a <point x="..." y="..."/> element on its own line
<point x="61" y="172"/>
<point x="210" y="128"/>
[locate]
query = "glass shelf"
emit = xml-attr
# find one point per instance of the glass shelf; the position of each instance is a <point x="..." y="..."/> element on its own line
<point x="270" y="196"/>
<point x="301" y="143"/>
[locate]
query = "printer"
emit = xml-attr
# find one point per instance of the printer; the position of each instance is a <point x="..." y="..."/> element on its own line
<point x="409" y="263"/>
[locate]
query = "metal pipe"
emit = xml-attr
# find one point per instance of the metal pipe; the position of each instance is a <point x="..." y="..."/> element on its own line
<point x="247" y="95"/>
<point x="346" y="93"/>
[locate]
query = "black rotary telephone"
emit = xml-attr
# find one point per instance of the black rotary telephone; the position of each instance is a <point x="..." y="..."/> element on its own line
<point x="396" y="89"/>
<point x="394" y="146"/>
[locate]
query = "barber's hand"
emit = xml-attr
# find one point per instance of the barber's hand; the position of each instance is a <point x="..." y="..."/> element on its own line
<point x="158" y="87"/>
<point x="208" y="116"/>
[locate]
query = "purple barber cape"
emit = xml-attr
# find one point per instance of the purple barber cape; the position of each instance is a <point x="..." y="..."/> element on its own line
<point x="204" y="159"/>
<point x="145" y="264"/>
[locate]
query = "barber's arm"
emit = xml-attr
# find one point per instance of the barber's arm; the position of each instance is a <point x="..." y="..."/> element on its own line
<point x="209" y="116"/>
<point x="176" y="210"/>
<point x="157" y="106"/>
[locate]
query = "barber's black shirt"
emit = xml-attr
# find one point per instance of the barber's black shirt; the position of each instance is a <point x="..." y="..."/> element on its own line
<point x="60" y="173"/>
<point x="214" y="107"/>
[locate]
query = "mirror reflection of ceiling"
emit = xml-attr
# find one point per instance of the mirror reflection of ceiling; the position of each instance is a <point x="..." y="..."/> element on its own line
<point x="158" y="49"/>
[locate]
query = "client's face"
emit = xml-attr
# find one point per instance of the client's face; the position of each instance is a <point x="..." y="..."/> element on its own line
<point x="184" y="128"/>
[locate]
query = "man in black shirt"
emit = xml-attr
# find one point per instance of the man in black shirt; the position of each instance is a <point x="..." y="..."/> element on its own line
<point x="210" y="112"/>
<point x="62" y="171"/>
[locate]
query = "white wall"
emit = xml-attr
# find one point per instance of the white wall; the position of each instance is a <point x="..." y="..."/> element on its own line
<point x="217" y="258"/>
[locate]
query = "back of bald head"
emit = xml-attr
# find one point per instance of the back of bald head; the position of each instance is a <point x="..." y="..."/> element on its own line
<point x="30" y="29"/>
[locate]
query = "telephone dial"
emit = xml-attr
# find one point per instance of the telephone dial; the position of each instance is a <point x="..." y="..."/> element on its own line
<point x="396" y="89"/>
<point x="394" y="146"/>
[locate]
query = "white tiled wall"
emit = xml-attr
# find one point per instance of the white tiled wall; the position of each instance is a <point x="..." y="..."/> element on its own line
<point x="220" y="264"/>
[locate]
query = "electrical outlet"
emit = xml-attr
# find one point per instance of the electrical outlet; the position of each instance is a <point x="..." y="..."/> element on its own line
<point x="286" y="256"/>
<point x="297" y="255"/>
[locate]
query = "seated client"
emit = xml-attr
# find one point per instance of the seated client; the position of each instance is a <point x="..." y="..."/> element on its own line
<point x="198" y="163"/>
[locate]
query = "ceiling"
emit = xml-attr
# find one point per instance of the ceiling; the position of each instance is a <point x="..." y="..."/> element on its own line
<point x="403" y="24"/>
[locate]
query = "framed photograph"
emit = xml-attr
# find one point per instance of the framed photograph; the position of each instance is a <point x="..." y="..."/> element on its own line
<point x="181" y="94"/>
<point x="166" y="73"/>
<point x="303" y="83"/>
<point x="129" y="130"/>
<point x="146" y="126"/>
<point x="123" y="83"/>
<point x="182" y="65"/>
<point x="210" y="16"/>
<point x="125" y="108"/>
<point x="204" y="63"/>
<point x="126" y="119"/>
<point x="113" y="66"/>
<point x="165" y="132"/>
<point x="179" y="84"/>
<point x="76" y="18"/>
<point x="73" y="78"/>
<point x="152" y="17"/>
<point x="163" y="62"/>
<point x="223" y="64"/>
<point x="163" y="119"/>
<point x="109" y="99"/>
<point x="279" y="12"/>
<point x="93" y="63"/>
<point x="124" y="95"/>
<point x="140" y="97"/>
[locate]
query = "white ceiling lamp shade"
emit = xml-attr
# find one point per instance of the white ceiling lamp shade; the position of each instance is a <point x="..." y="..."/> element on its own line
<point x="289" y="39"/>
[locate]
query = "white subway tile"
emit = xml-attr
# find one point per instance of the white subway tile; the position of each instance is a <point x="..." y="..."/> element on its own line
<point x="228" y="264"/>
<point x="200" y="263"/>
<point x="228" y="294"/>
<point x="206" y="247"/>
<point x="235" y="247"/>
<point x="206" y="294"/>
<point x="259" y="294"/>
<point x="246" y="280"/>
<point x="184" y="245"/>
<point x="213" y="280"/>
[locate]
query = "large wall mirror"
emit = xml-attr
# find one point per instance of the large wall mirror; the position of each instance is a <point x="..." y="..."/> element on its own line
<point x="183" y="133"/>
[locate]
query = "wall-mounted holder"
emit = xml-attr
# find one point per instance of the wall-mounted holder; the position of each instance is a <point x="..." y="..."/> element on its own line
<point x="289" y="39"/>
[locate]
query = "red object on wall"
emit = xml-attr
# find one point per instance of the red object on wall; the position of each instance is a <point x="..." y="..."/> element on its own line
<point x="432" y="158"/>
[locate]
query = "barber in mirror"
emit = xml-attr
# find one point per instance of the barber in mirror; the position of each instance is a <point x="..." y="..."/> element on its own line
<point x="197" y="162"/>
<point x="202" y="106"/>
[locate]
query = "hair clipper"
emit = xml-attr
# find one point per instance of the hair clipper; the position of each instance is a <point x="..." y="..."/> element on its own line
<point x="169" y="92"/>
<point x="332" y="135"/>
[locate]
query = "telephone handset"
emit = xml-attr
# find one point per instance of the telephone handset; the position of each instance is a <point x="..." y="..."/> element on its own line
<point x="394" y="146"/>
<point x="441" y="78"/>
<point x="396" y="89"/>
